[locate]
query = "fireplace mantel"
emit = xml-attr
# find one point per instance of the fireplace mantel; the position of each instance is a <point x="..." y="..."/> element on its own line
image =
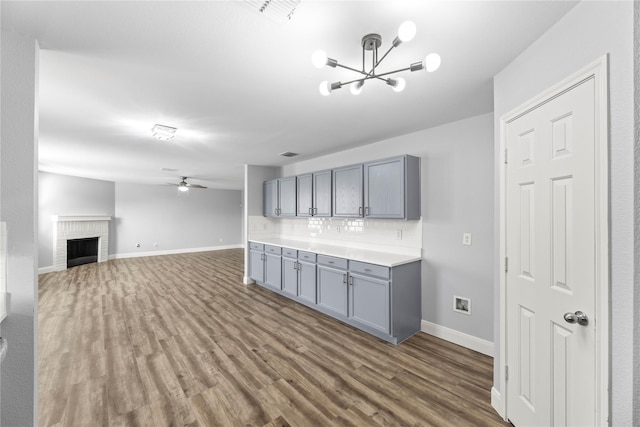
<point x="59" y="218"/>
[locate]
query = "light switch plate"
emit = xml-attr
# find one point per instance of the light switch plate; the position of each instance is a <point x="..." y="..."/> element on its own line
<point x="466" y="239"/>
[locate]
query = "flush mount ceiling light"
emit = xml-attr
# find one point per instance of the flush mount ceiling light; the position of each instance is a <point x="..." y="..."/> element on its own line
<point x="163" y="132"/>
<point x="371" y="43"/>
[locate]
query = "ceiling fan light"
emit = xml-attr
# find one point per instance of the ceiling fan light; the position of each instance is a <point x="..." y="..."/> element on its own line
<point x="319" y="58"/>
<point x="356" y="88"/>
<point x="407" y="31"/>
<point x="183" y="187"/>
<point x="432" y="62"/>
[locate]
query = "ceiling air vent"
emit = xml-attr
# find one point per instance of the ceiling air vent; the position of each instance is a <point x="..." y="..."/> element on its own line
<point x="288" y="154"/>
<point x="278" y="10"/>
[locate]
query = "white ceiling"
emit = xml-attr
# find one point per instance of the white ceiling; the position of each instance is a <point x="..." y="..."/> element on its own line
<point x="241" y="88"/>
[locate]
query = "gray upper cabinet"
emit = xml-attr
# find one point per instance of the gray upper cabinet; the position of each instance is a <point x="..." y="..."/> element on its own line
<point x="305" y="195"/>
<point x="271" y="195"/>
<point x="314" y="194"/>
<point x="280" y="197"/>
<point x="287" y="196"/>
<point x="392" y="188"/>
<point x="322" y="193"/>
<point x="347" y="192"/>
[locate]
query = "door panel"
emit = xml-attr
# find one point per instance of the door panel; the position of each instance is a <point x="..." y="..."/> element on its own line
<point x="550" y="244"/>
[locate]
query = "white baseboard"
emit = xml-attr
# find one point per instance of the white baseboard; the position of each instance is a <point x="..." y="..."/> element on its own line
<point x="44" y="270"/>
<point x="247" y="280"/>
<point x="174" y="251"/>
<point x="497" y="402"/>
<point x="469" y="341"/>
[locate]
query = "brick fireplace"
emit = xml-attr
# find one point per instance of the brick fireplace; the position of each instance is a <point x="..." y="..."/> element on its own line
<point x="79" y="227"/>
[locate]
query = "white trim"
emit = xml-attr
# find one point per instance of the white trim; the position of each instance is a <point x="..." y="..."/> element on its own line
<point x="465" y="340"/>
<point x="61" y="218"/>
<point x="174" y="251"/>
<point x="496" y="402"/>
<point x="246" y="280"/>
<point x="45" y="270"/>
<point x="599" y="70"/>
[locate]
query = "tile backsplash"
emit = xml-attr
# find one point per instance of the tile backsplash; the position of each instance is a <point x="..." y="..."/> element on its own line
<point x="376" y="234"/>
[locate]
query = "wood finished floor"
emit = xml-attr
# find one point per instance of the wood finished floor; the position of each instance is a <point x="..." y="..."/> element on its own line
<point x="178" y="340"/>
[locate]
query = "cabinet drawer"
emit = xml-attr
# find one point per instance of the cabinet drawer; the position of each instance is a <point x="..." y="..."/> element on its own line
<point x="256" y="246"/>
<point x="369" y="269"/>
<point x="273" y="249"/>
<point x="307" y="256"/>
<point x="291" y="253"/>
<point x="332" y="261"/>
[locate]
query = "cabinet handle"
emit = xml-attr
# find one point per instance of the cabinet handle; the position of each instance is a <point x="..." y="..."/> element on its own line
<point x="360" y="211"/>
<point x="315" y="211"/>
<point x="351" y="280"/>
<point x="366" y="211"/>
<point x="344" y="278"/>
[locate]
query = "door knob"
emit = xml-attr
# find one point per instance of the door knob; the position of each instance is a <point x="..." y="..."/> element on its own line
<point x="578" y="317"/>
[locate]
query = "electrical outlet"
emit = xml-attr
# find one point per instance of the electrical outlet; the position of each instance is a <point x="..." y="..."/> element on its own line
<point x="399" y="234"/>
<point x="337" y="229"/>
<point x="155" y="244"/>
<point x="221" y="240"/>
<point x="466" y="239"/>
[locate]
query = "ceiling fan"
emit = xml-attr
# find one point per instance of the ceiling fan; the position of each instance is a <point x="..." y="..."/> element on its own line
<point x="185" y="186"/>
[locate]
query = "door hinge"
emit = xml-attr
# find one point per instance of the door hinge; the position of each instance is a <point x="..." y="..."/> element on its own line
<point x="506" y="264"/>
<point x="506" y="372"/>
<point x="505" y="156"/>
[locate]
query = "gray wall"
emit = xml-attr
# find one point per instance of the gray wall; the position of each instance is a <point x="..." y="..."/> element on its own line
<point x="69" y="195"/>
<point x="457" y="197"/>
<point x="587" y="32"/>
<point x="18" y="198"/>
<point x="201" y="218"/>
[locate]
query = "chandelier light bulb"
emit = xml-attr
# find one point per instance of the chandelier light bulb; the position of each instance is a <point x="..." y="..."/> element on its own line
<point x="319" y="58"/>
<point x="407" y="31"/>
<point x="399" y="85"/>
<point x="356" y="88"/>
<point x="432" y="62"/>
<point x="325" y="88"/>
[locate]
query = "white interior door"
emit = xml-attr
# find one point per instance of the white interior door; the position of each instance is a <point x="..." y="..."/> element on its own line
<point x="551" y="236"/>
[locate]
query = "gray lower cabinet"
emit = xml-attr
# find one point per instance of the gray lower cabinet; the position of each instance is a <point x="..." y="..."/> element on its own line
<point x="273" y="267"/>
<point x="369" y="302"/>
<point x="290" y="276"/>
<point x="383" y="301"/>
<point x="307" y="277"/>
<point x="332" y="290"/>
<point x="256" y="261"/>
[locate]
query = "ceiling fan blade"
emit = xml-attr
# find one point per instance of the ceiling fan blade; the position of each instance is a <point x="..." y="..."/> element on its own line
<point x="195" y="186"/>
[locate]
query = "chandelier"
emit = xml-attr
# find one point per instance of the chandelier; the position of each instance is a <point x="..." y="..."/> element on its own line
<point x="371" y="43"/>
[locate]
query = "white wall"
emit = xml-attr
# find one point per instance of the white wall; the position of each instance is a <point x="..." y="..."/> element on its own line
<point x="587" y="32"/>
<point x="636" y="316"/>
<point x="69" y="195"/>
<point x="199" y="219"/>
<point x="457" y="197"/>
<point x="18" y="195"/>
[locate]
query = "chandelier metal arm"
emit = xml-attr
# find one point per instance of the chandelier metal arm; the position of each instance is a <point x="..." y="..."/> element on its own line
<point x="352" y="69"/>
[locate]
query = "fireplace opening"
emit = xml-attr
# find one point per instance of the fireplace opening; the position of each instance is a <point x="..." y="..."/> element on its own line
<point x="82" y="251"/>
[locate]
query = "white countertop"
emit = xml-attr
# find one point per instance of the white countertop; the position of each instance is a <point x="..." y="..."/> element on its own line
<point x="387" y="259"/>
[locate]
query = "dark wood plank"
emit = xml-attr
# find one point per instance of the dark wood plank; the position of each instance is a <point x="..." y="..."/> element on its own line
<point x="178" y="340"/>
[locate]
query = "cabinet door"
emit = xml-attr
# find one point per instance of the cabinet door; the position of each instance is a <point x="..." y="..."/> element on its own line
<point x="270" y="195"/>
<point x="322" y="193"/>
<point x="384" y="188"/>
<point x="273" y="271"/>
<point x="332" y="290"/>
<point x="289" y="276"/>
<point x="369" y="302"/>
<point x="305" y="195"/>
<point x="347" y="192"/>
<point x="307" y="280"/>
<point x="256" y="266"/>
<point x="287" y="200"/>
